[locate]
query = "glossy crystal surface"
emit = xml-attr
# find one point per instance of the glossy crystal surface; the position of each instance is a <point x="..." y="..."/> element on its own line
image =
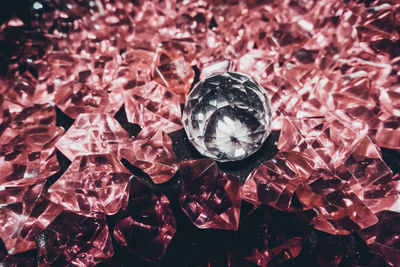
<point x="209" y="197"/>
<point x="150" y="224"/>
<point x="227" y="116"/>
<point x="93" y="134"/>
<point x="79" y="240"/>
<point x="152" y="152"/>
<point x="153" y="105"/>
<point x="96" y="182"/>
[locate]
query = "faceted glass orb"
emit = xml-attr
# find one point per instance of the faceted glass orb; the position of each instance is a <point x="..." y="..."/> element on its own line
<point x="227" y="116"/>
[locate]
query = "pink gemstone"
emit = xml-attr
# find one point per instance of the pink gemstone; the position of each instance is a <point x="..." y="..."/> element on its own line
<point x="340" y="210"/>
<point x="28" y="154"/>
<point x="152" y="152"/>
<point x="27" y="159"/>
<point x="174" y="73"/>
<point x="373" y="176"/>
<point x="57" y="69"/>
<point x="92" y="183"/>
<point x="89" y="89"/>
<point x="16" y="116"/>
<point x="74" y="99"/>
<point x="186" y="47"/>
<point x="16" y="206"/>
<point x="209" y="197"/>
<point x="223" y="65"/>
<point x="275" y="181"/>
<point x="152" y="105"/>
<point x="24" y="213"/>
<point x="93" y="134"/>
<point x="384" y="237"/>
<point x="134" y="70"/>
<point x="325" y="139"/>
<point x="291" y="139"/>
<point x="253" y="64"/>
<point x="388" y="133"/>
<point x="150" y="226"/>
<point x="73" y="239"/>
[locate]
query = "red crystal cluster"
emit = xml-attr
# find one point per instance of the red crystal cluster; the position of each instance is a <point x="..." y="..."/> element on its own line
<point x="332" y="72"/>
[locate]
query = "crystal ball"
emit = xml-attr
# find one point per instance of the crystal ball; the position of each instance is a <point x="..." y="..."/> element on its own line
<point x="227" y="116"/>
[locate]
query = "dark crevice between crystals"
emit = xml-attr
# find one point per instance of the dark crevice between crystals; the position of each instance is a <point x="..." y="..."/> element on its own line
<point x="170" y="187"/>
<point x="64" y="163"/>
<point x="131" y="128"/>
<point x="321" y="249"/>
<point x="196" y="77"/>
<point x="212" y="24"/>
<point x="182" y="147"/>
<point x="392" y="159"/>
<point x="63" y="120"/>
<point x="278" y="226"/>
<point x="192" y="246"/>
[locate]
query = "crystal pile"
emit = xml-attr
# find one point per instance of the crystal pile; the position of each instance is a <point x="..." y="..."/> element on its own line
<point x="89" y="86"/>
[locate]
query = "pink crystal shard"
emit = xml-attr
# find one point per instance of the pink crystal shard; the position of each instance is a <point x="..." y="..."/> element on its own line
<point x="27" y="160"/>
<point x="174" y="73"/>
<point x="274" y="182"/>
<point x="152" y="152"/>
<point x="75" y="99"/>
<point x="209" y="197"/>
<point x="340" y="210"/>
<point x="383" y="237"/>
<point x="153" y="105"/>
<point x="17" y="204"/>
<point x="150" y="226"/>
<point x="89" y="88"/>
<point x="92" y="183"/>
<point x="134" y="70"/>
<point x="373" y="177"/>
<point x="93" y="134"/>
<point x="24" y="213"/>
<point x="27" y="152"/>
<point x="74" y="239"/>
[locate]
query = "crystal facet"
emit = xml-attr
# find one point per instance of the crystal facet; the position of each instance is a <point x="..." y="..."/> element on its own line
<point x="92" y="183"/>
<point x="384" y="237"/>
<point x="275" y="181"/>
<point x="150" y="224"/>
<point x="75" y="240"/>
<point x="209" y="197"/>
<point x="152" y="105"/>
<point x="93" y="134"/>
<point x="227" y="116"/>
<point x="152" y="152"/>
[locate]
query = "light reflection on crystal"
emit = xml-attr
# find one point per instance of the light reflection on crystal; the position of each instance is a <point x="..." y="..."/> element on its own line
<point x="227" y="116"/>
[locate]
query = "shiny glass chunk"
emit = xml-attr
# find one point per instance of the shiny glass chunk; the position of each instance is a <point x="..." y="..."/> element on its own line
<point x="227" y="116"/>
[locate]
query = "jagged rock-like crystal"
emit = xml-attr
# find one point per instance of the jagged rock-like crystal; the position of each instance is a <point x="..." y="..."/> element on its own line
<point x="150" y="225"/>
<point x="75" y="240"/>
<point x="227" y="116"/>
<point x="209" y="197"/>
<point x="96" y="182"/>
